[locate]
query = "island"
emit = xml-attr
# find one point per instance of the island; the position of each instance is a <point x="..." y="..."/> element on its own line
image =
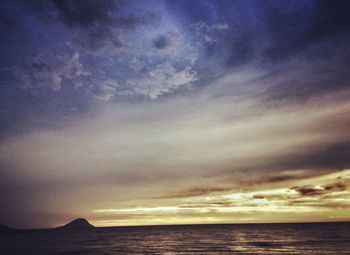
<point x="79" y="223"/>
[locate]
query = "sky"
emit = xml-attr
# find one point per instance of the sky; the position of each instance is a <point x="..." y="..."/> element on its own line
<point x="174" y="112"/>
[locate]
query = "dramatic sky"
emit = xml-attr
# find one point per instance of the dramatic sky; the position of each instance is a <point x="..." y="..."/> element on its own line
<point x="169" y="112"/>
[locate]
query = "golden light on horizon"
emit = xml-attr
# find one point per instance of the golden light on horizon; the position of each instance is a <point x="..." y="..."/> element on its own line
<point x="313" y="199"/>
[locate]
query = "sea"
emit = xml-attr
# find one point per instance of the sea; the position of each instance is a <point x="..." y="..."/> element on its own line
<point x="295" y="238"/>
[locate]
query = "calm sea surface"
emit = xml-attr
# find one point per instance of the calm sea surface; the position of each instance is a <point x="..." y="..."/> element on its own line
<point x="316" y="238"/>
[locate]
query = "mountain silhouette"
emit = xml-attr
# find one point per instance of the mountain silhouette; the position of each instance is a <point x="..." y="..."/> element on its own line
<point x="79" y="223"/>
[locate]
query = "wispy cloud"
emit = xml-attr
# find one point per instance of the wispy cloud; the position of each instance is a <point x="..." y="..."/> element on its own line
<point x="161" y="80"/>
<point x="51" y="72"/>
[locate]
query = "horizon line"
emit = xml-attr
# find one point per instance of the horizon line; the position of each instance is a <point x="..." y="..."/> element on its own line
<point x="184" y="224"/>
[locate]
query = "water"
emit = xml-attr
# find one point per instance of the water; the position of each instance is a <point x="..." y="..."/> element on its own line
<point x="315" y="238"/>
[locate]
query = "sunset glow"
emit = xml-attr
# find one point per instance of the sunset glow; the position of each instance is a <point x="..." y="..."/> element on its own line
<point x="174" y="112"/>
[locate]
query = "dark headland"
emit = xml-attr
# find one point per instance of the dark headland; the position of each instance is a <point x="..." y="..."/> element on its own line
<point x="6" y="229"/>
<point x="79" y="223"/>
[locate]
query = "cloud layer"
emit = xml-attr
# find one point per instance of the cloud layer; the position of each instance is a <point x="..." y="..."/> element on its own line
<point x="128" y="111"/>
<point x="149" y="153"/>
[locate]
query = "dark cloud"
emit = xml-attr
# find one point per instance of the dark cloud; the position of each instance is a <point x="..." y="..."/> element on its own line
<point x="161" y="42"/>
<point x="193" y="192"/>
<point x="97" y="20"/>
<point x="330" y="195"/>
<point x="308" y="190"/>
<point x="86" y="13"/>
<point x="259" y="196"/>
<point x="217" y="203"/>
<point x="336" y="186"/>
<point x="92" y="24"/>
<point x="288" y="175"/>
<point x="167" y="42"/>
<point x="278" y="178"/>
<point x="277" y="197"/>
<point x="257" y="176"/>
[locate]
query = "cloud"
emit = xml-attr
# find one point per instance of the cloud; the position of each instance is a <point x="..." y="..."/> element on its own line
<point x="92" y="26"/>
<point x="308" y="190"/>
<point x="271" y="205"/>
<point x="181" y="148"/>
<point x="209" y="33"/>
<point x="105" y="91"/>
<point x="218" y="135"/>
<point x="86" y="13"/>
<point x="163" y="79"/>
<point x="270" y="33"/>
<point x="193" y="192"/>
<point x="136" y="64"/>
<point x="51" y="74"/>
<point x="269" y="109"/>
<point x="97" y="22"/>
<point x="168" y="43"/>
<point x="336" y="186"/>
<point x="161" y="42"/>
